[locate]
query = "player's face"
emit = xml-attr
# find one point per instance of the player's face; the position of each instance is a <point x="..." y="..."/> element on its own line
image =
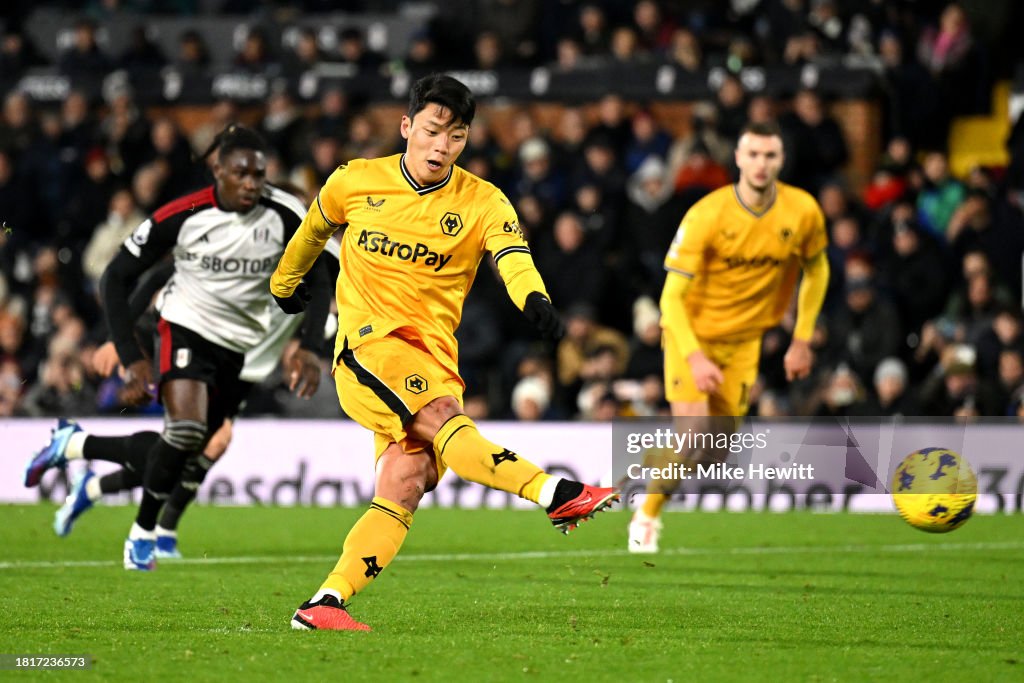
<point x="759" y="158"/>
<point x="240" y="177"/>
<point x="433" y="143"/>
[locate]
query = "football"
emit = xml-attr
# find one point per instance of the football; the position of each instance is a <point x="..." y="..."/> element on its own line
<point x="934" y="490"/>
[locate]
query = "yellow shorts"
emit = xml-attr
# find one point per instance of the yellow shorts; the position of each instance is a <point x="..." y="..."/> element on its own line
<point x="738" y="361"/>
<point x="383" y="383"/>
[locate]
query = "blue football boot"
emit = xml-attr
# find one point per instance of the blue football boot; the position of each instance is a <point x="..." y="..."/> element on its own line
<point x="76" y="503"/>
<point x="52" y="455"/>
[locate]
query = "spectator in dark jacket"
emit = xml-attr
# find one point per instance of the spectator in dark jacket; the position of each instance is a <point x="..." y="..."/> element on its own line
<point x="918" y="275"/>
<point x="867" y="327"/>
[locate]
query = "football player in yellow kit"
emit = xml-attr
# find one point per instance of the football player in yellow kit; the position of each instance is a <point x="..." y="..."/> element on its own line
<point x="732" y="269"/>
<point x="415" y="230"/>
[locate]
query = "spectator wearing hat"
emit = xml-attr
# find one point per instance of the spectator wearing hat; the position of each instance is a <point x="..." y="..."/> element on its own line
<point x="538" y="176"/>
<point x="957" y="390"/>
<point x="531" y="398"/>
<point x="646" y="358"/>
<point x="649" y="222"/>
<point x="891" y="395"/>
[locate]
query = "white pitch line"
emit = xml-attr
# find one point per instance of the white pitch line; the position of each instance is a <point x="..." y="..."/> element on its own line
<point x="544" y="555"/>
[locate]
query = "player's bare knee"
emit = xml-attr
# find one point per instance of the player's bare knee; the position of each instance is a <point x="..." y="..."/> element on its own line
<point x="432" y="416"/>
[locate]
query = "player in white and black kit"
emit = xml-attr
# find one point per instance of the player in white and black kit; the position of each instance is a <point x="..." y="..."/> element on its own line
<point x="131" y="452"/>
<point x="226" y="240"/>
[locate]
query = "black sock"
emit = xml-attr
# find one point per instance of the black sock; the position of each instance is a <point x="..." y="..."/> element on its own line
<point x="565" y="491"/>
<point x="149" y="509"/>
<point x="121" y="480"/>
<point x="185" y="492"/>
<point x="119" y="449"/>
<point x="163" y="470"/>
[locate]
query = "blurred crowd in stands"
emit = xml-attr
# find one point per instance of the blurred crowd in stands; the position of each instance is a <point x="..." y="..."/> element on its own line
<point x="923" y="315"/>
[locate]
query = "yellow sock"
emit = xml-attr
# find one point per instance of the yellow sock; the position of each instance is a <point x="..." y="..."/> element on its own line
<point x="370" y="546"/>
<point x="653" y="504"/>
<point x="459" y="444"/>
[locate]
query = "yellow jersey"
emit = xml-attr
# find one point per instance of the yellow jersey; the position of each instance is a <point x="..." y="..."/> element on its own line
<point x="744" y="264"/>
<point x="409" y="253"/>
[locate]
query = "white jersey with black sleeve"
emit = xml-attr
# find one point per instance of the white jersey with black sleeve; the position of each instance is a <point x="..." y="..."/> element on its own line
<point x="222" y="262"/>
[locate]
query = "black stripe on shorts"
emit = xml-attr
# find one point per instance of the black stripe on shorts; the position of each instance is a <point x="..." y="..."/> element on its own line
<point x="367" y="379"/>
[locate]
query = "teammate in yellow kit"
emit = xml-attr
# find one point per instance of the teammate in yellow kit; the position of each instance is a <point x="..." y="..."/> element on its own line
<point x="415" y="229"/>
<point x="732" y="268"/>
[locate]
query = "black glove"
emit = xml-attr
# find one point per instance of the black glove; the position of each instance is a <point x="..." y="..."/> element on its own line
<point x="539" y="311"/>
<point x="296" y="303"/>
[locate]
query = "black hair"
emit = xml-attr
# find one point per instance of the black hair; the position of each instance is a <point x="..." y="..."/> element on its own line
<point x="765" y="128"/>
<point x="235" y="136"/>
<point x="445" y="91"/>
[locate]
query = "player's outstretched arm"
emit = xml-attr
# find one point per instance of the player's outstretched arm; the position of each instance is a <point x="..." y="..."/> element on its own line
<point x="799" y="357"/>
<point x="674" y="319"/>
<point x="303" y="366"/>
<point x="507" y="244"/>
<point x="124" y="269"/>
<point x="325" y="216"/>
<point x="286" y="285"/>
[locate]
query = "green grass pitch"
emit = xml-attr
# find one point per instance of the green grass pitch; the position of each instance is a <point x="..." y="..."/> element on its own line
<point x="498" y="595"/>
